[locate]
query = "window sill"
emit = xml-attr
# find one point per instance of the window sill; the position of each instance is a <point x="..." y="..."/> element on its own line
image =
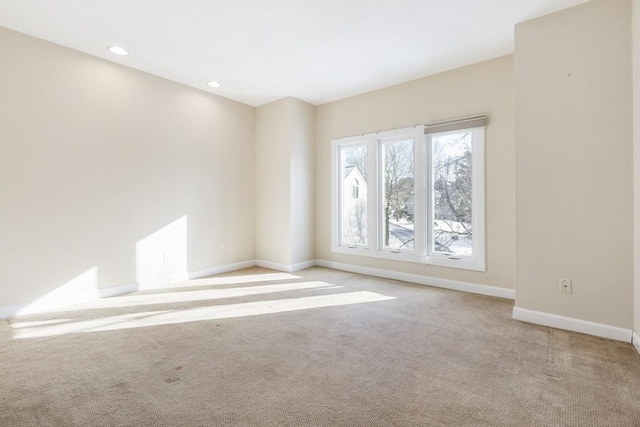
<point x="407" y="257"/>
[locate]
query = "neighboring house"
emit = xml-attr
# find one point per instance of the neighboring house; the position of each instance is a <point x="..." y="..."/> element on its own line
<point x="354" y="207"/>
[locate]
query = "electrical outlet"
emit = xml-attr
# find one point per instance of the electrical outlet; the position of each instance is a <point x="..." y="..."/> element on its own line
<point x="165" y="257"/>
<point x="221" y="249"/>
<point x="565" y="286"/>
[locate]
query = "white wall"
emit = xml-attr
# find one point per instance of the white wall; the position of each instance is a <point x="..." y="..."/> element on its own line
<point x="303" y="195"/>
<point x="574" y="169"/>
<point x="285" y="183"/>
<point x="273" y="181"/>
<point x="486" y="87"/>
<point x="636" y="157"/>
<point x="102" y="164"/>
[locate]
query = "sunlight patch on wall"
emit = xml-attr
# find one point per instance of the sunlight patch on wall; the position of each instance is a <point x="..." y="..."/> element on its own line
<point x="169" y="317"/>
<point x="82" y="288"/>
<point x="162" y="256"/>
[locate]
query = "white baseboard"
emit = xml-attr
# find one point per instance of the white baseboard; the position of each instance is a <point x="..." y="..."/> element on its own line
<point x="221" y="269"/>
<point x="422" y="280"/>
<point x="65" y="299"/>
<point x="303" y="265"/>
<point x="571" y="324"/>
<point x="18" y="309"/>
<point x="163" y="281"/>
<point x="284" y="267"/>
<point x="635" y="340"/>
<point x="117" y="290"/>
<point x="11" y="310"/>
<point x="273" y="265"/>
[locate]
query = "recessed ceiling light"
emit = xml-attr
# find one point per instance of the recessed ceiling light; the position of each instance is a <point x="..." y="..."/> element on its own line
<point x="214" y="84"/>
<point x="118" y="50"/>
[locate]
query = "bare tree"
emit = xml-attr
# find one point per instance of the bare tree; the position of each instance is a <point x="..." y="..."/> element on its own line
<point x="453" y="191"/>
<point x="452" y="181"/>
<point x="398" y="181"/>
<point x="356" y="157"/>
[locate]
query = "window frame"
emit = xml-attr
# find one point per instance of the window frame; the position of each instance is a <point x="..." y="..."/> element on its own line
<point x="423" y="170"/>
<point x="477" y="203"/>
<point x="418" y="188"/>
<point x="337" y="195"/>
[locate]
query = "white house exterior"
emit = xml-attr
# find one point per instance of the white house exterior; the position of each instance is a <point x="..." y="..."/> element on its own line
<point x="354" y="207"/>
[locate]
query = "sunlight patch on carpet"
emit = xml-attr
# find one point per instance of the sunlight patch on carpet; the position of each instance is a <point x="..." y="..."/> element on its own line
<point x="169" y="317"/>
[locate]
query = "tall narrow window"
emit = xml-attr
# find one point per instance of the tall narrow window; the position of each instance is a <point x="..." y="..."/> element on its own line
<point x="397" y="194"/>
<point x="353" y="196"/>
<point x="455" y="224"/>
<point x="452" y="203"/>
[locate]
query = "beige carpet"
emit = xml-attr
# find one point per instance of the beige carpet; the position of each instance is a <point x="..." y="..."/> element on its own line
<point x="325" y="348"/>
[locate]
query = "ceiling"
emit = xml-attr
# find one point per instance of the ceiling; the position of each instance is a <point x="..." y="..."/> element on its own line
<point x="261" y="51"/>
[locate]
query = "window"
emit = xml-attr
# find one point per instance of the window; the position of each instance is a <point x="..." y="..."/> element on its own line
<point x="413" y="194"/>
<point x="455" y="194"/>
<point x="353" y="199"/>
<point x="397" y="194"/>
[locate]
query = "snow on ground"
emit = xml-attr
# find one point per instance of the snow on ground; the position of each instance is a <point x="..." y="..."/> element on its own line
<point x="402" y="230"/>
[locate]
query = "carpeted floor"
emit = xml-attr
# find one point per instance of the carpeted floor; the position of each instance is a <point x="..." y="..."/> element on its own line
<point x="317" y="348"/>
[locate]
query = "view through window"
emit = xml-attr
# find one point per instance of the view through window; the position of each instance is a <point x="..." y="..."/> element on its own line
<point x="413" y="194"/>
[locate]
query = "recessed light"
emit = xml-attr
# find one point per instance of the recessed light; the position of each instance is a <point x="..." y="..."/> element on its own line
<point x="118" y="50"/>
<point x="214" y="84"/>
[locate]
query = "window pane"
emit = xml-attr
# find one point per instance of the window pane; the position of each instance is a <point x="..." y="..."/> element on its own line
<point x="452" y="193"/>
<point x="397" y="195"/>
<point x="353" y="206"/>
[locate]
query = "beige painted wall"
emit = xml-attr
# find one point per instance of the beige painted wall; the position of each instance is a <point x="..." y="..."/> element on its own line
<point x="303" y="200"/>
<point x="95" y="157"/>
<point x="285" y="182"/>
<point x="273" y="181"/>
<point x="636" y="157"/>
<point x="574" y="200"/>
<point x="486" y="87"/>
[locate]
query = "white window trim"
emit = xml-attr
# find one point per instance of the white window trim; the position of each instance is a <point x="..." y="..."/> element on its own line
<point x="374" y="248"/>
<point x="417" y="136"/>
<point x="336" y="193"/>
<point x="477" y="153"/>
